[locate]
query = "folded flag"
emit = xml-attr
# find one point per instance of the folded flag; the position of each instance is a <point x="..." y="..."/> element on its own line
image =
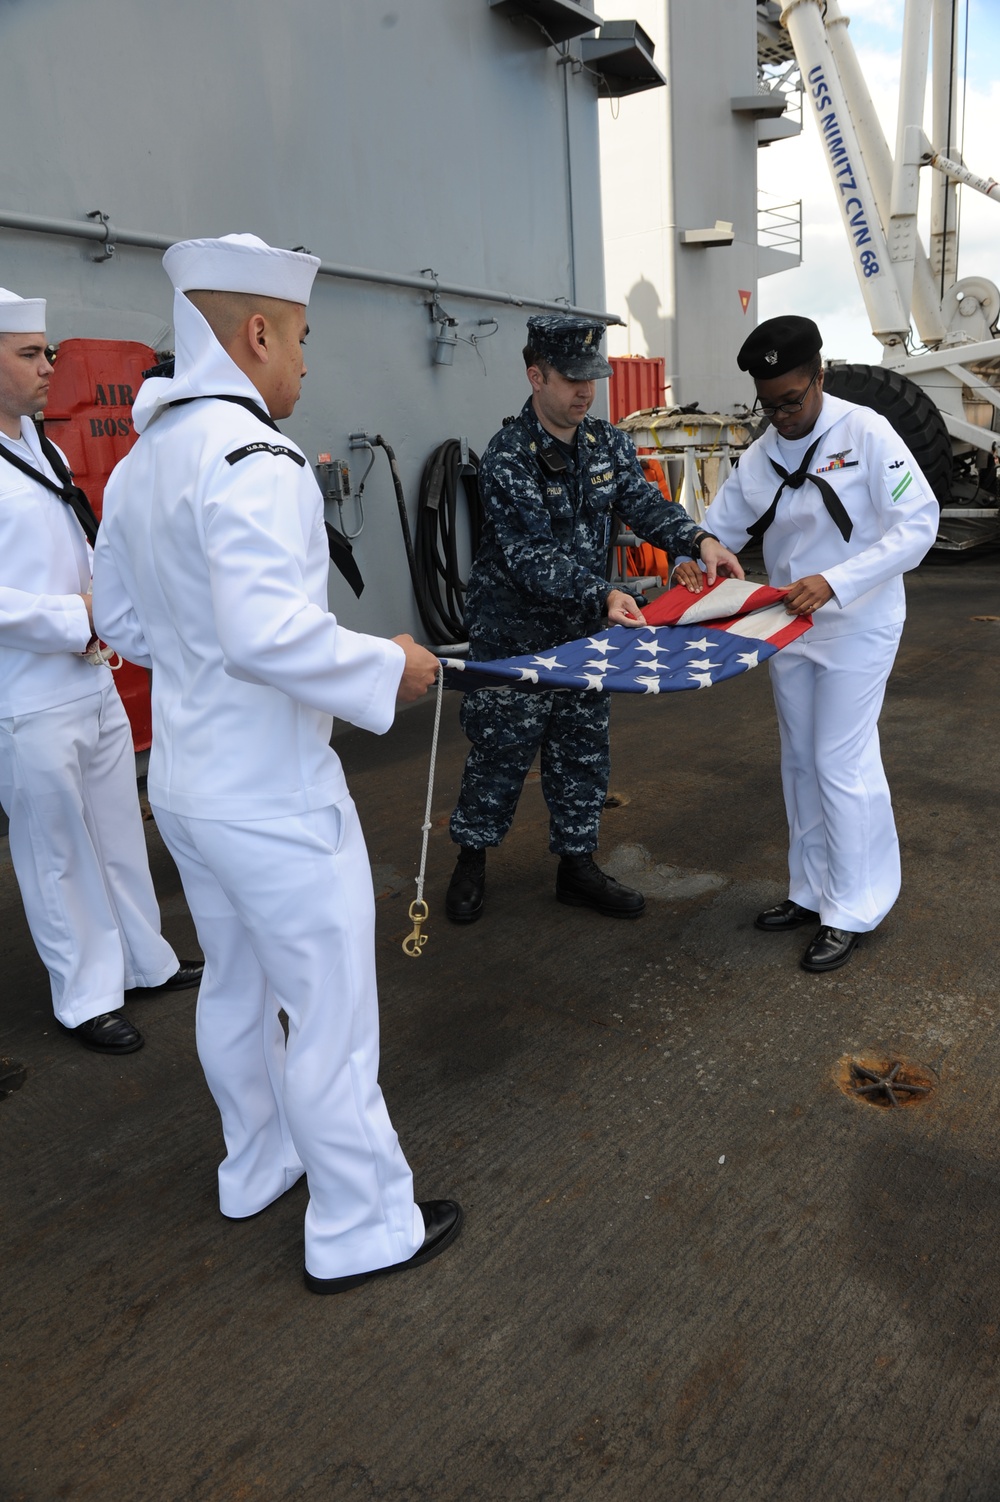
<point x="688" y="641"/>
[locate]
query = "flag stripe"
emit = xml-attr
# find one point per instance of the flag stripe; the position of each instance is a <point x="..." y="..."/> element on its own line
<point x="772" y="624"/>
<point x="727" y="597"/>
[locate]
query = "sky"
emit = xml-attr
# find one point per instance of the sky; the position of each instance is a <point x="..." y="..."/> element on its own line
<point x="825" y="286"/>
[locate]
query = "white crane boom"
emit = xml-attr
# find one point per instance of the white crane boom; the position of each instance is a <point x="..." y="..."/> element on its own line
<point x="878" y="160"/>
<point x="888" y="312"/>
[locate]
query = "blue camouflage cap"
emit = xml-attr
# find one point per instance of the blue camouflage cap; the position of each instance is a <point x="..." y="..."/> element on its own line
<point x="572" y="346"/>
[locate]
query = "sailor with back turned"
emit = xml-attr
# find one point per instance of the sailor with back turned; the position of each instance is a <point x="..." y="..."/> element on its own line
<point x="212" y="568"/>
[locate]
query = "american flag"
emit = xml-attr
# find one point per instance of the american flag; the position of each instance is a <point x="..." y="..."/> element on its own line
<point x="688" y="641"/>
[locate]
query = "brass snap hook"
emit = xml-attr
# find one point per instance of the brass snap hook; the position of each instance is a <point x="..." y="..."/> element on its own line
<point x="414" y="942"/>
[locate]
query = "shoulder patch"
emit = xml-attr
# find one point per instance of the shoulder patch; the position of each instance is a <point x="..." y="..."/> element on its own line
<point x="898" y="478"/>
<point x="264" y="448"/>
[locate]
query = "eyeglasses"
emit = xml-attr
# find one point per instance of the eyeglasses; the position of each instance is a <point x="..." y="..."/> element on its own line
<point x="764" y="410"/>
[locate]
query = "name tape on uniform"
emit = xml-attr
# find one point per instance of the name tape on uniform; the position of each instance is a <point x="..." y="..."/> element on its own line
<point x="263" y="448"/>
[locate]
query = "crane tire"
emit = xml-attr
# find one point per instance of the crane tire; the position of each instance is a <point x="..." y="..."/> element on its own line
<point x="909" y="410"/>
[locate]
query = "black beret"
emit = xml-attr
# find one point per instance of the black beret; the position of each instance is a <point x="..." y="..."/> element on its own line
<point x="571" y="345"/>
<point x="779" y="345"/>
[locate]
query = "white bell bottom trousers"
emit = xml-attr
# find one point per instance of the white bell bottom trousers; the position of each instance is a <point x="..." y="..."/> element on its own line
<point x="843" y="856"/>
<point x="78" y="847"/>
<point x="285" y="915"/>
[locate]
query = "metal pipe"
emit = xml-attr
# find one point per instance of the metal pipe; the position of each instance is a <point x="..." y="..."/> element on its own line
<point x="566" y="62"/>
<point x="939" y="359"/>
<point x="912" y="81"/>
<point x="945" y="135"/>
<point x="901" y="231"/>
<point x="110" y="235"/>
<point x="960" y="174"/>
<point x="79" y="229"/>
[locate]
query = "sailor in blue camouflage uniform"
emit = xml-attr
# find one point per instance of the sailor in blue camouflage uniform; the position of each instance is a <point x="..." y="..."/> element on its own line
<point x="549" y="481"/>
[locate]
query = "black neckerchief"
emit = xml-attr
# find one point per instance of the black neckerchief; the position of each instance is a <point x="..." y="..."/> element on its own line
<point x="66" y="490"/>
<point x="831" y="500"/>
<point x="341" y="552"/>
<point x="254" y="408"/>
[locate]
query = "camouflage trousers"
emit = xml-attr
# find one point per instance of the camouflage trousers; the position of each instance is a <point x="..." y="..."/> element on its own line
<point x="506" y="729"/>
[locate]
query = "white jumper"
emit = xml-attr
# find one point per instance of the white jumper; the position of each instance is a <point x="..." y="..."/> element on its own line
<point x="829" y="684"/>
<point x="212" y="567"/>
<point x="67" y="770"/>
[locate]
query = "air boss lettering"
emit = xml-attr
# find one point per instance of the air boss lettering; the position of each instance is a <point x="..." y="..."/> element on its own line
<point x="110" y="427"/>
<point x="844" y="175"/>
<point x="112" y="395"/>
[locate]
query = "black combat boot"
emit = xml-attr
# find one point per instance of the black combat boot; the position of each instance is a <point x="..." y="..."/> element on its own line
<point x="464" y="900"/>
<point x="582" y="883"/>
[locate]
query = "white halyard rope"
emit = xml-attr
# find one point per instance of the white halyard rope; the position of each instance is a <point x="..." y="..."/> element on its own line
<point x="414" y="942"/>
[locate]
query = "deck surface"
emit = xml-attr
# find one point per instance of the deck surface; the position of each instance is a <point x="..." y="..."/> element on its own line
<point x="692" y="1268"/>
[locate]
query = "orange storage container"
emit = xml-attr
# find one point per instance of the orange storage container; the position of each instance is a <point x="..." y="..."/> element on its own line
<point x="89" y="415"/>
<point x="637" y="383"/>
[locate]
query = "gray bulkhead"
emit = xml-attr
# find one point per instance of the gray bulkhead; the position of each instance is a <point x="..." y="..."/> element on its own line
<point x="397" y="136"/>
<point x="680" y="193"/>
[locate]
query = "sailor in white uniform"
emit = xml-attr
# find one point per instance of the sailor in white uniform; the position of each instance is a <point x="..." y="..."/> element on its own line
<point x="67" y="770"/>
<point x="843" y="511"/>
<point x="212" y="568"/>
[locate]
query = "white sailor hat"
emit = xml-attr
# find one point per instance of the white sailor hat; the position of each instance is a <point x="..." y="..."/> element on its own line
<point x="21" y="315"/>
<point x="241" y="263"/>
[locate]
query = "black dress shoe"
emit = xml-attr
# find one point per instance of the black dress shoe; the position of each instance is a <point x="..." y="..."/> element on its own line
<point x="831" y="948"/>
<point x="580" y="882"/>
<point x="463" y="901"/>
<point x="187" y="974"/>
<point x="442" y="1223"/>
<point x="778" y="920"/>
<point x="108" y="1033"/>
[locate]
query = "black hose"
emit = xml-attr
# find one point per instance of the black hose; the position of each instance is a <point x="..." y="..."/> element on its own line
<point x="435" y="573"/>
